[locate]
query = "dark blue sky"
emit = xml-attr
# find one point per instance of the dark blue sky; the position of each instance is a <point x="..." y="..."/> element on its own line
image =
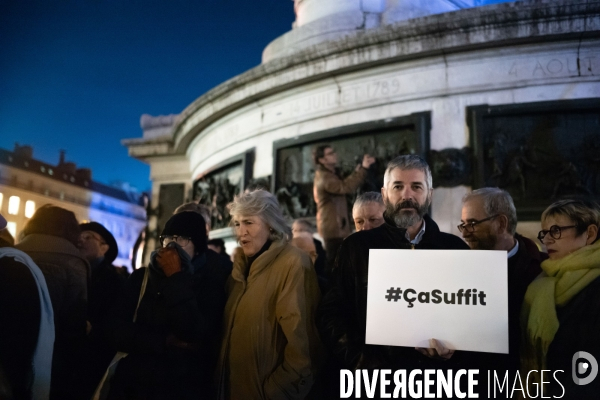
<point x="78" y="74"/>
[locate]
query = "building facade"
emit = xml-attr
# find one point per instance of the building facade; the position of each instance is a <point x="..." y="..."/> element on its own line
<point x="501" y="95"/>
<point x="27" y="183"/>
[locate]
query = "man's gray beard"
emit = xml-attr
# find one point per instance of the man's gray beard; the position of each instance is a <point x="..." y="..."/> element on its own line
<point x="404" y="219"/>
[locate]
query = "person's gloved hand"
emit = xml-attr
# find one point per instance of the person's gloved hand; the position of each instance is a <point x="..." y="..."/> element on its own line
<point x="168" y="260"/>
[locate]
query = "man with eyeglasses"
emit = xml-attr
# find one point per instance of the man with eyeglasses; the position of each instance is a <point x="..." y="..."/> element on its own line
<point x="489" y="222"/>
<point x="330" y="192"/>
<point x="99" y="247"/>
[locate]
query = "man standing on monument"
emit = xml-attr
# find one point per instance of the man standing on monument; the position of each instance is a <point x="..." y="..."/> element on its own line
<point x="407" y="191"/>
<point x="330" y="192"/>
<point x="489" y="222"/>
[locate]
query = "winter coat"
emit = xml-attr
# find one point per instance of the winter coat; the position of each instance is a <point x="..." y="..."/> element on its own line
<point x="106" y="288"/>
<point x="578" y="331"/>
<point x="330" y="195"/>
<point x="107" y="285"/>
<point x="172" y="345"/>
<point x="67" y="276"/>
<point x="270" y="347"/>
<point x="26" y="326"/>
<point x="523" y="268"/>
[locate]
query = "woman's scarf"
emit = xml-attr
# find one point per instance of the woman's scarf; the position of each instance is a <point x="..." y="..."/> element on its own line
<point x="560" y="281"/>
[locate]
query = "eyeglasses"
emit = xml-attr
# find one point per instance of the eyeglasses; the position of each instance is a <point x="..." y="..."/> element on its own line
<point x="554" y="231"/>
<point x="180" y="240"/>
<point x="470" y="226"/>
<point x="88" y="236"/>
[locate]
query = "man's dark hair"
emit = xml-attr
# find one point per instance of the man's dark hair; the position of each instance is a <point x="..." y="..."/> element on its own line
<point x="54" y="221"/>
<point x="319" y="152"/>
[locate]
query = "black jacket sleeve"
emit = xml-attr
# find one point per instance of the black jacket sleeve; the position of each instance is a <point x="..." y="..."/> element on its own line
<point x="342" y="311"/>
<point x="141" y="337"/>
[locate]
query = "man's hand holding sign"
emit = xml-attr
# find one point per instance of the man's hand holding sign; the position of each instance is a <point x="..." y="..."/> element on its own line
<point x="436" y="350"/>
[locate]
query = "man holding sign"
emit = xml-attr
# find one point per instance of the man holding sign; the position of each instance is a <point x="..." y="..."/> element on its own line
<point x="407" y="195"/>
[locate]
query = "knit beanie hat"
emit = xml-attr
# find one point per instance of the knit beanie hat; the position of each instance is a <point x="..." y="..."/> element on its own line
<point x="189" y="224"/>
<point x="113" y="249"/>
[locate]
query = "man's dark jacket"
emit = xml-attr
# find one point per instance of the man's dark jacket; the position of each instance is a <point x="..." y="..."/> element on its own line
<point x="172" y="345"/>
<point x="20" y="314"/>
<point x="343" y="310"/>
<point x="523" y="267"/>
<point x="578" y="331"/>
<point x="67" y="275"/>
<point x="106" y="288"/>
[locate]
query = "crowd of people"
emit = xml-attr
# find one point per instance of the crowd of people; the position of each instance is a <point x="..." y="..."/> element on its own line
<point x="283" y="315"/>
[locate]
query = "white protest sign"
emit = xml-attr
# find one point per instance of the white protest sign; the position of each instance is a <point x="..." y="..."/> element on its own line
<point x="459" y="297"/>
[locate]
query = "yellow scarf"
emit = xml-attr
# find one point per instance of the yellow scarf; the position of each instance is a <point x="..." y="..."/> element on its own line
<point x="561" y="280"/>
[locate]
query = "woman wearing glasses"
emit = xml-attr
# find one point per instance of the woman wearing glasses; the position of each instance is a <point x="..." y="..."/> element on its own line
<point x="172" y="344"/>
<point x="270" y="342"/>
<point x="561" y="311"/>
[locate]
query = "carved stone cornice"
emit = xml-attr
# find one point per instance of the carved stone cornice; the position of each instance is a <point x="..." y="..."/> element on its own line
<point x="465" y="30"/>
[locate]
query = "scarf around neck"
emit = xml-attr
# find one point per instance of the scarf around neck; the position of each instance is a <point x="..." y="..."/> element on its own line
<point x="41" y="364"/>
<point x="560" y="281"/>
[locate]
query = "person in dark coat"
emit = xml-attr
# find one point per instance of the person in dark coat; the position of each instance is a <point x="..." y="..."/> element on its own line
<point x="407" y="195"/>
<point x="172" y="345"/>
<point x="26" y="326"/>
<point x="100" y="248"/>
<point x="489" y="222"/>
<point x="50" y="239"/>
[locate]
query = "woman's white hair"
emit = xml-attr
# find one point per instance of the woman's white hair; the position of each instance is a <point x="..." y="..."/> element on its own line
<point x="264" y="205"/>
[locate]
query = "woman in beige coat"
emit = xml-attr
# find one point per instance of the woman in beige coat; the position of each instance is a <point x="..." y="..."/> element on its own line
<point x="270" y="343"/>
